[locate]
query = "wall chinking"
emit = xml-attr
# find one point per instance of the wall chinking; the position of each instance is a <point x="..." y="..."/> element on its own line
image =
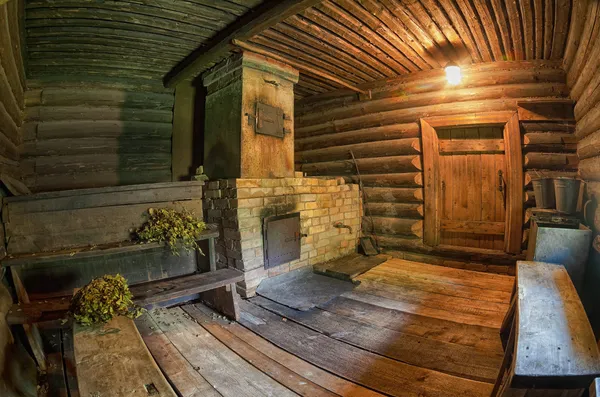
<point x="12" y="86"/>
<point x="384" y="133"/>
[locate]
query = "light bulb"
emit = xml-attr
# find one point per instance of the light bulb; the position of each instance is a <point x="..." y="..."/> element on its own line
<point x="453" y="74"/>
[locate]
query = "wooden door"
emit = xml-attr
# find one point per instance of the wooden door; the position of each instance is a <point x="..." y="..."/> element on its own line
<point x="472" y="170"/>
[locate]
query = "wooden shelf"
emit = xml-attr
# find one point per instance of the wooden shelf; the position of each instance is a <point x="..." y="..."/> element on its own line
<point x="92" y="251"/>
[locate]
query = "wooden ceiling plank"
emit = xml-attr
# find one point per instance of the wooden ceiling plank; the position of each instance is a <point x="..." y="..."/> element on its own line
<point x="538" y="23"/>
<point x="441" y="50"/>
<point x="489" y="25"/>
<point x="319" y="26"/>
<point x="514" y="19"/>
<point x="575" y="30"/>
<point x="266" y="15"/>
<point x="562" y="11"/>
<point x="464" y="31"/>
<point x="527" y="21"/>
<point x="393" y="30"/>
<point x="301" y="66"/>
<point x="310" y="58"/>
<point x="476" y="28"/>
<point x="548" y="27"/>
<point x="290" y="35"/>
<point x="362" y="36"/>
<point x="464" y="46"/>
<point x="502" y="20"/>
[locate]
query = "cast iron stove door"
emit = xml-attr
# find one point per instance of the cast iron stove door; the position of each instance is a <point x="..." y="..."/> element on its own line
<point x="281" y="239"/>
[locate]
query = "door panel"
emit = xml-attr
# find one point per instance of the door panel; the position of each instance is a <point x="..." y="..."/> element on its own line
<point x="472" y="211"/>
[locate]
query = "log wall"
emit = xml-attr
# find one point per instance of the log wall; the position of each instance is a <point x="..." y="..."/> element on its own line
<point x="384" y="135"/>
<point x="583" y="78"/>
<point x="12" y="87"/>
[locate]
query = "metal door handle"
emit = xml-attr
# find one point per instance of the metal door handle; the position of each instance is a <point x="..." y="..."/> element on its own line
<point x="502" y="186"/>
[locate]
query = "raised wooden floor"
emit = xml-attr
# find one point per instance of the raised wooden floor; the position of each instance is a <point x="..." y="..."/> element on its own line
<point x="408" y="329"/>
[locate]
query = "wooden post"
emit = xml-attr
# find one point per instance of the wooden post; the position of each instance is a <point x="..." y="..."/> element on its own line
<point x="431" y="179"/>
<point x="183" y="131"/>
<point x="514" y="197"/>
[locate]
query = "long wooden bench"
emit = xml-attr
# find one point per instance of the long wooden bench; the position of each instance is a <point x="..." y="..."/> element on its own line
<point x="59" y="241"/>
<point x="549" y="343"/>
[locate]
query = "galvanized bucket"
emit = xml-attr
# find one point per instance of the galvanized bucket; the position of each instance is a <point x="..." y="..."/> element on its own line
<point x="566" y="191"/>
<point x="544" y="193"/>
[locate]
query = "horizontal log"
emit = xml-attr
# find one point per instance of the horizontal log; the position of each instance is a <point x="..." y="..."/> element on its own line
<point x="69" y="146"/>
<point x="393" y="195"/>
<point x="478" y="119"/>
<point x="589" y="169"/>
<point x="141" y="67"/>
<point x="59" y="113"/>
<point x="96" y="162"/>
<point x="85" y="81"/>
<point x="394" y="147"/>
<point x="589" y="123"/>
<point x="84" y="180"/>
<point x="473" y="227"/>
<point x="99" y="128"/>
<point x="394" y="210"/>
<point x="589" y="146"/>
<point x="538" y="174"/>
<point x="479" y="255"/>
<point x="388" y="132"/>
<point x="529" y="198"/>
<point x="105" y="44"/>
<point x="551" y="161"/>
<point x="407" y="115"/>
<point x="533" y="126"/>
<point x="104" y="97"/>
<point x="412" y="179"/>
<point x="549" y="142"/>
<point x="394" y="164"/>
<point x="433" y="98"/>
<point x="547" y="110"/>
<point x="113" y="70"/>
<point x="465" y="146"/>
<point x="393" y="226"/>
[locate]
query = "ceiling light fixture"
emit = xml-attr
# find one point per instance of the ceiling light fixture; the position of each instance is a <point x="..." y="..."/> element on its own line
<point x="453" y="73"/>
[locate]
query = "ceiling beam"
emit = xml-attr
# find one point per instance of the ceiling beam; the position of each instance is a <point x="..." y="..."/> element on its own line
<point x="266" y="15"/>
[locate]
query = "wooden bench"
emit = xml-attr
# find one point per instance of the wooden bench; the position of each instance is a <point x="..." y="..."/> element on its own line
<point x="549" y="343"/>
<point x="59" y="241"/>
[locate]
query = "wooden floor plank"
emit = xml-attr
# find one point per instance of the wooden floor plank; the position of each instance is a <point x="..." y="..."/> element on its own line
<point x="349" y="267"/>
<point x="181" y="374"/>
<point x="331" y="382"/>
<point x="113" y="360"/>
<point x="450" y="358"/>
<point x="359" y="366"/>
<point x="437" y="286"/>
<point x="482" y="338"/>
<point x="278" y="372"/>
<point x="435" y="300"/>
<point x="488" y="281"/>
<point x="228" y="373"/>
<point x="389" y="301"/>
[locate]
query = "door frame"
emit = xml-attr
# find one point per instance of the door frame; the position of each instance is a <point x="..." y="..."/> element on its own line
<point x="513" y="230"/>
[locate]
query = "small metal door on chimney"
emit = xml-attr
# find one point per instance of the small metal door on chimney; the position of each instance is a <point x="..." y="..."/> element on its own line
<point x="281" y="239"/>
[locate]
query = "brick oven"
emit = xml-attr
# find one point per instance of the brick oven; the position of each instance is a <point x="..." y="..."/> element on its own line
<point x="249" y="157"/>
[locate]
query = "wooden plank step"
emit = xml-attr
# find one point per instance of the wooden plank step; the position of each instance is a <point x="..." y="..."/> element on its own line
<point x="55" y="257"/>
<point x="368" y="369"/>
<point x="349" y="267"/>
<point x="159" y="292"/>
<point x="450" y="358"/>
<point x="113" y="360"/>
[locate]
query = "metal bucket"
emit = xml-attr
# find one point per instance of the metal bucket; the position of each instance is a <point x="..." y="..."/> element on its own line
<point x="544" y="193"/>
<point x="566" y="191"/>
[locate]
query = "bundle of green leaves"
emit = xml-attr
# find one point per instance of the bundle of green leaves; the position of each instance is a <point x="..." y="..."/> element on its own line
<point x="102" y="299"/>
<point x="173" y="227"/>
